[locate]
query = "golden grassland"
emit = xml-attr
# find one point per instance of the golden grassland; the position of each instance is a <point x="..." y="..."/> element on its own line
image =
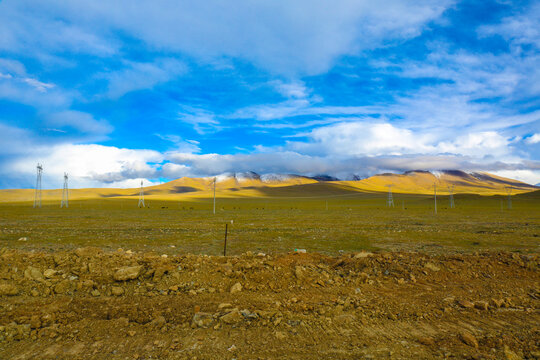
<point x="330" y="223"/>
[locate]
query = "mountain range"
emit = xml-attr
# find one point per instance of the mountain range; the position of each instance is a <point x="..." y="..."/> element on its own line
<point x="251" y="184"/>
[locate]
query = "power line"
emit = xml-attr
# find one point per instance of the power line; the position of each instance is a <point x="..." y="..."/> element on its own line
<point x="390" y="200"/>
<point x="141" y="196"/>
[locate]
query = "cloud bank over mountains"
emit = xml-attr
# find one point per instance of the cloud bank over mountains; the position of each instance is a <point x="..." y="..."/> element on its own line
<point x="118" y="92"/>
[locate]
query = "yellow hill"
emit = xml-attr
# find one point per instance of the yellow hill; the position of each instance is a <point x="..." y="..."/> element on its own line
<point x="252" y="185"/>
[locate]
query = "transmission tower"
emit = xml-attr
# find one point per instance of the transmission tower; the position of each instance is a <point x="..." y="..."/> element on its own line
<point x="509" y="193"/>
<point x="37" y="195"/>
<point x="141" y="196"/>
<point x="390" y="201"/>
<point x="65" y="196"/>
<point x="451" y="191"/>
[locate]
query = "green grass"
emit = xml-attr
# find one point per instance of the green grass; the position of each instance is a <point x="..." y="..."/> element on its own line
<point x="360" y="222"/>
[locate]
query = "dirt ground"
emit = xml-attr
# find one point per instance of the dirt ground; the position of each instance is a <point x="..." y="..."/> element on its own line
<point x="89" y="303"/>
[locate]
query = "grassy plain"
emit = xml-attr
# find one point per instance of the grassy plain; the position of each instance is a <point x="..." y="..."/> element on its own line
<point x="274" y="225"/>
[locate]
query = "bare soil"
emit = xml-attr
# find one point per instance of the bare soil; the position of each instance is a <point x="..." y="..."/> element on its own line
<point x="90" y="303"/>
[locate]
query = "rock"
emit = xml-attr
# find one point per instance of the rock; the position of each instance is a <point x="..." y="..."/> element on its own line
<point x="87" y="251"/>
<point x="510" y="355"/>
<point x="481" y="305"/>
<point x="497" y="303"/>
<point x="232" y="317"/>
<point x="469" y="339"/>
<point x="49" y="273"/>
<point x="363" y="254"/>
<point x="466" y="304"/>
<point x="8" y="289"/>
<point x="432" y="267"/>
<point x="35" y="322"/>
<point x="224" y="306"/>
<point x="117" y="290"/>
<point x="248" y="315"/>
<point x="426" y="340"/>
<point x="202" y="319"/>
<point x="232" y="348"/>
<point x="32" y="273"/>
<point x="158" y="322"/>
<point x="280" y="335"/>
<point x="62" y="287"/>
<point x="236" y="288"/>
<point x="23" y="239"/>
<point x="95" y="292"/>
<point x="128" y="273"/>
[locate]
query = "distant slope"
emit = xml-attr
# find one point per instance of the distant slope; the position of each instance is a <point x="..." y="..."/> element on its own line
<point x="422" y="182"/>
<point x="276" y="185"/>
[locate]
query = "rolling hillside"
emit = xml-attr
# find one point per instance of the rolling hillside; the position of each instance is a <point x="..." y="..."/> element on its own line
<point x="254" y="185"/>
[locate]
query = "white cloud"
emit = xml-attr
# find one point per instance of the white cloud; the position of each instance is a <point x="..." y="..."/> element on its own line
<point x="87" y="165"/>
<point x="81" y="121"/>
<point x="287" y="37"/>
<point x="142" y="76"/>
<point x="203" y="121"/>
<point x="534" y="139"/>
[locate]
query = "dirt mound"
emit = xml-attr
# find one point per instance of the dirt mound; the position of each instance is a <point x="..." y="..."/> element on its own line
<point x="89" y="303"/>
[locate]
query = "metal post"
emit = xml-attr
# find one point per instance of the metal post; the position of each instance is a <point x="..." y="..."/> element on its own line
<point x="225" y="244"/>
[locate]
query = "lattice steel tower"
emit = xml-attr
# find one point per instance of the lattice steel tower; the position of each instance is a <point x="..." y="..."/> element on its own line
<point x="65" y="195"/>
<point x="390" y="201"/>
<point x="37" y="195"/>
<point x="451" y="191"/>
<point x="141" y="196"/>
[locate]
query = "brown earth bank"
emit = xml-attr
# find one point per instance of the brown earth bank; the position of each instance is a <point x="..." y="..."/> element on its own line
<point x="92" y="304"/>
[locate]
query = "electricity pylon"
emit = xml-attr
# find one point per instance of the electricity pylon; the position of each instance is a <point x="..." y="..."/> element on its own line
<point x="65" y="196"/>
<point x="141" y="196"/>
<point x="390" y="200"/>
<point x="37" y="195"/>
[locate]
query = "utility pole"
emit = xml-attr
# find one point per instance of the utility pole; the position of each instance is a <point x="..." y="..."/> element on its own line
<point x="509" y="192"/>
<point x="37" y="195"/>
<point x="451" y="191"/>
<point x="65" y="196"/>
<point x="214" y="195"/>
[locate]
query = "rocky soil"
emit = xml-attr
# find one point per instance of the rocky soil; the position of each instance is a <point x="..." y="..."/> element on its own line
<point x="89" y="303"/>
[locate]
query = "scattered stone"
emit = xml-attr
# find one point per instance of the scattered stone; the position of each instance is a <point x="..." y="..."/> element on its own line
<point x="426" y="340"/>
<point x="158" y="322"/>
<point x="232" y="317"/>
<point x="469" y="339"/>
<point x="62" y="287"/>
<point x="23" y="239"/>
<point x="510" y="355"/>
<point x="280" y="335"/>
<point x="498" y="303"/>
<point x="232" y="348"/>
<point x="432" y="267"/>
<point x="131" y="332"/>
<point x="481" y="305"/>
<point x="236" y="288"/>
<point x="223" y="306"/>
<point x="363" y="254"/>
<point x="117" y="290"/>
<point x="49" y="273"/>
<point x="35" y="322"/>
<point x="202" y="319"/>
<point x="466" y="304"/>
<point x="32" y="273"/>
<point x="95" y="292"/>
<point x="128" y="273"/>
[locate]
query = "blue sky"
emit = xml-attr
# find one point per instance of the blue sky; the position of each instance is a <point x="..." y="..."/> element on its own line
<point x="116" y="92"/>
